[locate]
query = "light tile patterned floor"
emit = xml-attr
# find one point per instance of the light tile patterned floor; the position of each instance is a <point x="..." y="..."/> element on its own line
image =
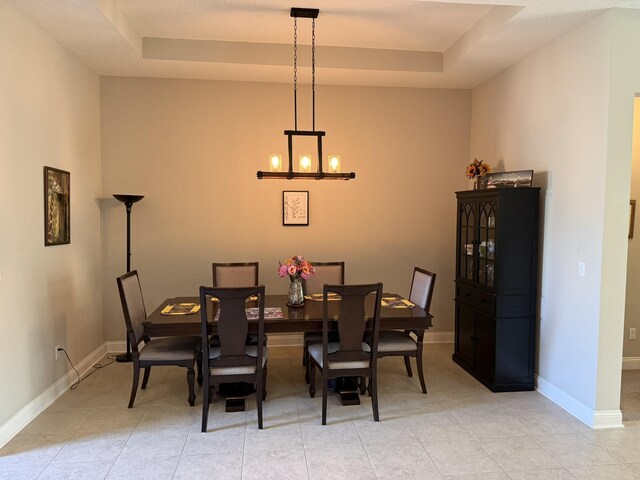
<point x="459" y="431"/>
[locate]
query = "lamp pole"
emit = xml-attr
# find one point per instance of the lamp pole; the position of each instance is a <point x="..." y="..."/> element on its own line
<point x="128" y="201"/>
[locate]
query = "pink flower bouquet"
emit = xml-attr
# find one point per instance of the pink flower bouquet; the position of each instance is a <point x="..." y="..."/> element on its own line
<point x="296" y="267"/>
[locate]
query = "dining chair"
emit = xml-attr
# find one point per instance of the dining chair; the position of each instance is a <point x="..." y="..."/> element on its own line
<point x="233" y="360"/>
<point x="235" y="274"/>
<point x="349" y="355"/>
<point x="182" y="351"/>
<point x="326" y="272"/>
<point x="409" y="343"/>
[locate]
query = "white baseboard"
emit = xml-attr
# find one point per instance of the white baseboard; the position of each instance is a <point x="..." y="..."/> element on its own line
<point x="115" y="346"/>
<point x="595" y="419"/>
<point x="631" y="363"/>
<point x="34" y="408"/>
<point x="438" y="337"/>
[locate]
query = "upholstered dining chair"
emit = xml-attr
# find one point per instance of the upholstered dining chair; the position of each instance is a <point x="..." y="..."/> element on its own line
<point x="329" y="273"/>
<point x="233" y="360"/>
<point x="349" y="355"/>
<point x="147" y="352"/>
<point x="235" y="274"/>
<point x="407" y="343"/>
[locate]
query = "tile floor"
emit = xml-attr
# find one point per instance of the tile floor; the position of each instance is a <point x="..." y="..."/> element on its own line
<point x="459" y="430"/>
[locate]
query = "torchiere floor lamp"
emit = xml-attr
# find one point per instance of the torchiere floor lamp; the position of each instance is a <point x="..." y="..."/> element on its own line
<point x="128" y="201"/>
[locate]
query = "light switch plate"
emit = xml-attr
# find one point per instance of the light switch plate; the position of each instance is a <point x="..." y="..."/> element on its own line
<point x="582" y="269"/>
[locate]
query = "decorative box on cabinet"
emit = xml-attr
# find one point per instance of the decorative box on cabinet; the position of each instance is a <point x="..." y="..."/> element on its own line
<point x="496" y="286"/>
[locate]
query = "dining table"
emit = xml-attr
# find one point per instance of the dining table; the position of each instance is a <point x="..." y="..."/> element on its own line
<point x="306" y="318"/>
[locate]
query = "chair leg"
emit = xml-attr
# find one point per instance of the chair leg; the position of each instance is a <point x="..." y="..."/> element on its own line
<point x="325" y="388"/>
<point x="259" y="393"/>
<point x="363" y="385"/>
<point x="206" y="398"/>
<point x="199" y="365"/>
<point x="420" y="369"/>
<point x="192" y="394"/>
<point x="134" y="386"/>
<point x="145" y="379"/>
<point x="407" y="364"/>
<point x="312" y="378"/>
<point x="264" y="383"/>
<point x="373" y="392"/>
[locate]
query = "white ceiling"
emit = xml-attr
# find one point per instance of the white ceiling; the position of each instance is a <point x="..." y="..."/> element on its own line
<point x="407" y="43"/>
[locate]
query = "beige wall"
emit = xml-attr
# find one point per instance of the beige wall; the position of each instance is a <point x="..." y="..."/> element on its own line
<point x="193" y="148"/>
<point x="50" y="115"/>
<point x="565" y="111"/>
<point x="632" y="306"/>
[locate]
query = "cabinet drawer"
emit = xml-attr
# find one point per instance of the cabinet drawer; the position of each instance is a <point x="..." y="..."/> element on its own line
<point x="477" y="298"/>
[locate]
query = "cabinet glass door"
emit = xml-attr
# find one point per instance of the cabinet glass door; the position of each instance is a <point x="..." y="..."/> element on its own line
<point x="486" y="243"/>
<point x="466" y="242"/>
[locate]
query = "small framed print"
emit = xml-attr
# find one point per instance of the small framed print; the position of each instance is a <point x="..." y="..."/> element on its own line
<point x="295" y="208"/>
<point x="57" y="207"/>
<point x="632" y="216"/>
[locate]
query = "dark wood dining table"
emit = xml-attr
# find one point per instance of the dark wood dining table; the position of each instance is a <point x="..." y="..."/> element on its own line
<point x="307" y="318"/>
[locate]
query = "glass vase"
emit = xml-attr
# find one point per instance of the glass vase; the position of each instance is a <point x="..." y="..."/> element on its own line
<point x="296" y="295"/>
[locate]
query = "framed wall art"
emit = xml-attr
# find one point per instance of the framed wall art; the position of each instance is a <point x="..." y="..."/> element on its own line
<point x="57" y="207"/>
<point x="521" y="178"/>
<point x="295" y="208"/>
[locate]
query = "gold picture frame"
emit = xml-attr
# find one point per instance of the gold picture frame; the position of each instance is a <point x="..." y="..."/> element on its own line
<point x="57" y="207"/>
<point x="632" y="216"/>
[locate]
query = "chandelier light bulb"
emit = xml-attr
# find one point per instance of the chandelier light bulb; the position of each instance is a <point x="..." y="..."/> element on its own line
<point x="275" y="162"/>
<point x="305" y="163"/>
<point x="334" y="163"/>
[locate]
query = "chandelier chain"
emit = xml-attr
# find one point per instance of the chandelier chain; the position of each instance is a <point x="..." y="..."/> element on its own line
<point x="313" y="70"/>
<point x="295" y="72"/>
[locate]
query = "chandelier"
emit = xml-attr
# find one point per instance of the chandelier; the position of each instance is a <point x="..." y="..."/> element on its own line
<point x="305" y="160"/>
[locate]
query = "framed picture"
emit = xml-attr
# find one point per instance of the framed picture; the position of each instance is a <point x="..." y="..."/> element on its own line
<point x="521" y="178"/>
<point x="295" y="208"/>
<point x="632" y="216"/>
<point x="57" y="207"/>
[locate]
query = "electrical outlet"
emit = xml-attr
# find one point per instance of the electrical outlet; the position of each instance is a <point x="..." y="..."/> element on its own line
<point x="58" y="351"/>
<point x="632" y="334"/>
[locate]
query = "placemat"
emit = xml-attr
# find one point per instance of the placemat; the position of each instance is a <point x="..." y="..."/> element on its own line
<point x="396" y="302"/>
<point x="181" y="309"/>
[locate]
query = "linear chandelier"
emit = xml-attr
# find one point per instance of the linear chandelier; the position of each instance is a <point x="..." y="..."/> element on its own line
<point x="305" y="160"/>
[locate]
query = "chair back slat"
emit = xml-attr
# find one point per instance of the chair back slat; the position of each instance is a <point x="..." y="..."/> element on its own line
<point x="352" y="321"/>
<point x="231" y="322"/>
<point x="132" y="306"/>
<point x="235" y="274"/>
<point x="233" y="326"/>
<point x="331" y="273"/>
<point x="422" y="288"/>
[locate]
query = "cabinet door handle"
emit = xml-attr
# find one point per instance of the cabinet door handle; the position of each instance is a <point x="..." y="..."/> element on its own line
<point x="467" y="294"/>
<point x="484" y="300"/>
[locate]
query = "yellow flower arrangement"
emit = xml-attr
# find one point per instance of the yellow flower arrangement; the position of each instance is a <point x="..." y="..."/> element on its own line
<point x="477" y="168"/>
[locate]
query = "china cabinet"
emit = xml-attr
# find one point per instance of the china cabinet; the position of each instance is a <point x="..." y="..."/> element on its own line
<point x="496" y="286"/>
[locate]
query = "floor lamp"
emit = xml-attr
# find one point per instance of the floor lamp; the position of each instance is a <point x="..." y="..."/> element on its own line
<point x="128" y="201"/>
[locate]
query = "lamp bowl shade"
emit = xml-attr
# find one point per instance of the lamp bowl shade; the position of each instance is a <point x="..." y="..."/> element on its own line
<point x="128" y="198"/>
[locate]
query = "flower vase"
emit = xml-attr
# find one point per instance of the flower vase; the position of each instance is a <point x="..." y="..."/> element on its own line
<point x="478" y="183"/>
<point x="296" y="296"/>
